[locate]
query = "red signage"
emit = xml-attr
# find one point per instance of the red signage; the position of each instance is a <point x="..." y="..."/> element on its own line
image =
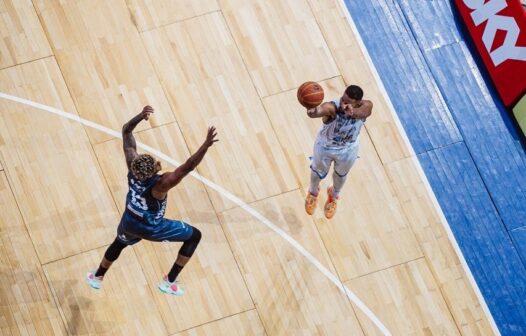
<point x="498" y="28"/>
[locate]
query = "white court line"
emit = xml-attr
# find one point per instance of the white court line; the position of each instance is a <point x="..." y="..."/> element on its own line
<point x="420" y="170"/>
<point x="224" y="193"/>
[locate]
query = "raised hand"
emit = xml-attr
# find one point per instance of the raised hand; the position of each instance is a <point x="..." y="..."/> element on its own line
<point x="210" y="137"/>
<point x="146" y="111"/>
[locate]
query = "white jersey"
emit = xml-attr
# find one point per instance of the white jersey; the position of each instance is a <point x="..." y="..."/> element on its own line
<point x="341" y="132"/>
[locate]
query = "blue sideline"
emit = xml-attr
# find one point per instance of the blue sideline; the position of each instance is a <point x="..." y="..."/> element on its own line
<point x="463" y="136"/>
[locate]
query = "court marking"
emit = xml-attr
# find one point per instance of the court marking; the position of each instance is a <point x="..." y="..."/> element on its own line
<point x="222" y="192"/>
<point x="419" y="169"/>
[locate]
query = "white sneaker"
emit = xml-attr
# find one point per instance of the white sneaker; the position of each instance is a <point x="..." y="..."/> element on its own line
<point x="170" y="287"/>
<point x="94" y="281"/>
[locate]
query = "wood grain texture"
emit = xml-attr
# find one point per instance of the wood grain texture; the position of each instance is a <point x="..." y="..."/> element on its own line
<point x="123" y="306"/>
<point x="290" y="294"/>
<point x="407" y="300"/>
<point x="247" y="323"/>
<point x="150" y="14"/>
<point x="53" y="171"/>
<point x="281" y="43"/>
<point x="22" y="38"/>
<point x="26" y="303"/>
<point x="104" y="63"/>
<point x="207" y="84"/>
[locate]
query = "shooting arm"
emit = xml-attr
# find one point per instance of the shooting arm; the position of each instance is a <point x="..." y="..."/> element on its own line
<point x="324" y="110"/>
<point x="363" y="111"/>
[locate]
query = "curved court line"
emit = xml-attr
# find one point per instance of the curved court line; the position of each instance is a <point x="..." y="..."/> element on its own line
<point x="224" y="193"/>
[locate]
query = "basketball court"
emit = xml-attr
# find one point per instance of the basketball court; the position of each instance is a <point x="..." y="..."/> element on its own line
<point x="73" y="72"/>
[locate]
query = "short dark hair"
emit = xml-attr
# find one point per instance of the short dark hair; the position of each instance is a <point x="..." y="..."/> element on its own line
<point x="143" y="167"/>
<point x="354" y="92"/>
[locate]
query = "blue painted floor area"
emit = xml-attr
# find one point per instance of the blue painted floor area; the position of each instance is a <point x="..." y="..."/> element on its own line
<point x="463" y="136"/>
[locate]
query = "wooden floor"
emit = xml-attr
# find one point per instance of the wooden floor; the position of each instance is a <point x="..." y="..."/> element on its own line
<point x="234" y="64"/>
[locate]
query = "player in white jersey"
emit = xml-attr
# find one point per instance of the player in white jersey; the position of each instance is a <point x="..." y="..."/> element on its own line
<point x="337" y="142"/>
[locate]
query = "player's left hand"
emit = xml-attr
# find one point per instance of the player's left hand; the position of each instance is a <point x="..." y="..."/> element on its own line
<point x="210" y="137"/>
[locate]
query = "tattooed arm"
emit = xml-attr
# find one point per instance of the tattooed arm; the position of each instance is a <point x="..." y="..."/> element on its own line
<point x="128" y="140"/>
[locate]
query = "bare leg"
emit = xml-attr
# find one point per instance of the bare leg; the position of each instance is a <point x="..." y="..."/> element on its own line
<point x="181" y="260"/>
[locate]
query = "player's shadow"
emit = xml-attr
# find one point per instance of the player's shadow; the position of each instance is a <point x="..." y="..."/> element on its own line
<point x="79" y="311"/>
<point x="286" y="219"/>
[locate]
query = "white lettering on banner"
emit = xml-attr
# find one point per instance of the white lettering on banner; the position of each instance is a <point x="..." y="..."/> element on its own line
<point x="488" y="12"/>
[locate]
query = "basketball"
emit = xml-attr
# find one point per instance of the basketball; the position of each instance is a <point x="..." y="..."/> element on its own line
<point x="310" y="94"/>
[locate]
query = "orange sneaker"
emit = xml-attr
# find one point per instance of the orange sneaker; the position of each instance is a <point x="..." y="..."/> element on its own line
<point x="330" y="204"/>
<point x="310" y="203"/>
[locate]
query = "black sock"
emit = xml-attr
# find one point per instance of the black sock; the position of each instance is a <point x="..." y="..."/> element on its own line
<point x="174" y="272"/>
<point x="101" y="271"/>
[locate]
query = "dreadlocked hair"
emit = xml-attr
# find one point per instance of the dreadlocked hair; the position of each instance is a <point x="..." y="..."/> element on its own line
<point x="143" y="166"/>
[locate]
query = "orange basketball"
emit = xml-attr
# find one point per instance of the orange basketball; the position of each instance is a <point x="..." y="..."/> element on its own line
<point x="310" y="94"/>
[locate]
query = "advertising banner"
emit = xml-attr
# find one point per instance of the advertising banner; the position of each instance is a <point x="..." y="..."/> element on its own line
<point x="498" y="29"/>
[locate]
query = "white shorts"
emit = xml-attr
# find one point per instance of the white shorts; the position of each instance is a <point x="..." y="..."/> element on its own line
<point x="343" y="159"/>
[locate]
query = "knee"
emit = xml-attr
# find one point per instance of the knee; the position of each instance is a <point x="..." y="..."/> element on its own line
<point x="114" y="250"/>
<point x="191" y="243"/>
<point x="341" y="175"/>
<point x="318" y="172"/>
<point x="196" y="235"/>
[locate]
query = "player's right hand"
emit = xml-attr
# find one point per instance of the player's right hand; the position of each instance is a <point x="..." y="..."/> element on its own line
<point x="146" y="111"/>
<point x="312" y="112"/>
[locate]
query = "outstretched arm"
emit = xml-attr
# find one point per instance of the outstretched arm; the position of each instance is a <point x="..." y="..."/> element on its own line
<point x="326" y="111"/>
<point x="362" y="111"/>
<point x="128" y="140"/>
<point x="170" y="180"/>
